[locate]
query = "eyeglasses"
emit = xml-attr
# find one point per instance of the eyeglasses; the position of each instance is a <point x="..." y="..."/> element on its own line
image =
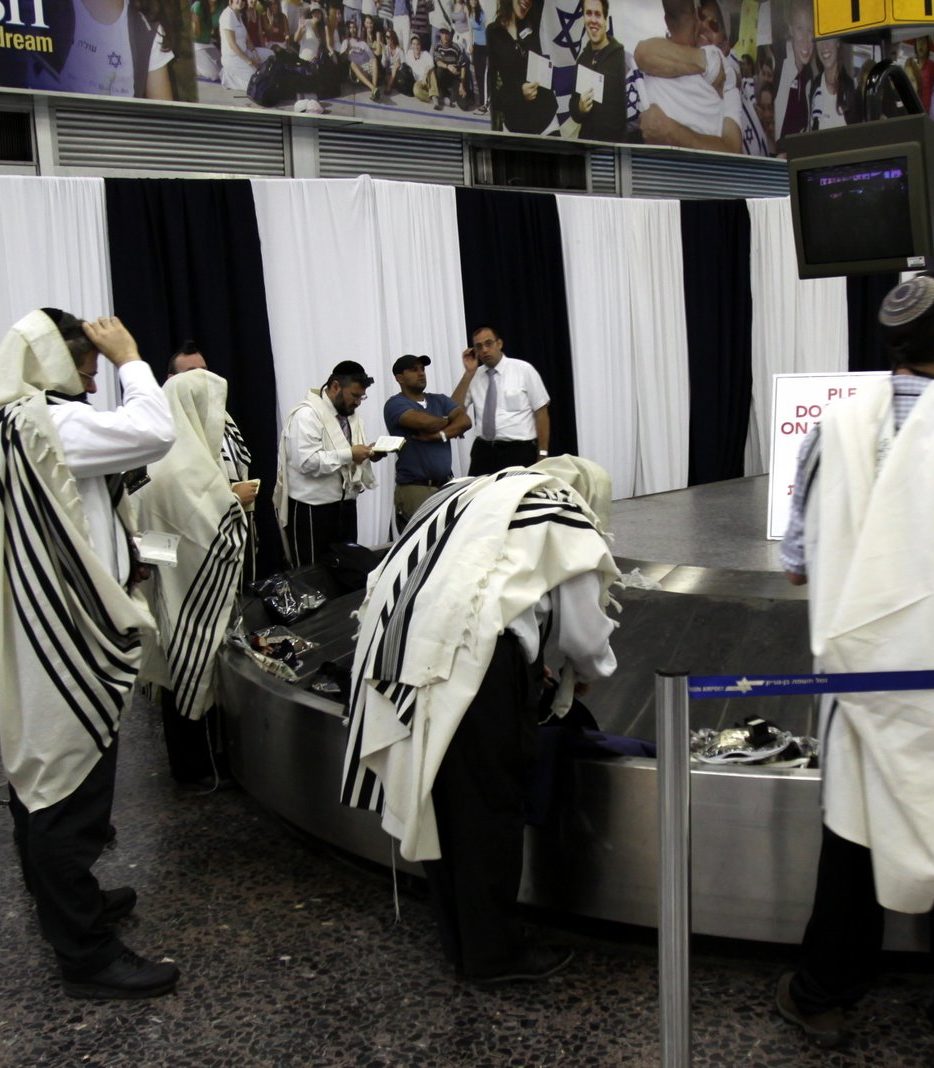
<point x="491" y="343"/>
<point x="88" y="378"/>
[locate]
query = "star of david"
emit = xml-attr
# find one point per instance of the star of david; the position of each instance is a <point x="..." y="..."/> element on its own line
<point x="115" y="60"/>
<point x="569" y="20"/>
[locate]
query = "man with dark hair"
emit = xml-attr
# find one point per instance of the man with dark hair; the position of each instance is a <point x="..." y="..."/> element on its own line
<point x="427" y="421"/>
<point x="324" y="465"/>
<point x="234" y="453"/>
<point x="860" y="534"/>
<point x="186" y="358"/>
<point x="509" y="403"/>
<point x="603" y="120"/>
<point x="190" y="735"/>
<point x="69" y="629"/>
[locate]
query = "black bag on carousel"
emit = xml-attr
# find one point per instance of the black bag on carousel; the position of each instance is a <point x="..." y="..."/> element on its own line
<point x="350" y="563"/>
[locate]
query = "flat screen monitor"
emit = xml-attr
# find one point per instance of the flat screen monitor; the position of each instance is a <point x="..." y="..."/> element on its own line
<point x="862" y="210"/>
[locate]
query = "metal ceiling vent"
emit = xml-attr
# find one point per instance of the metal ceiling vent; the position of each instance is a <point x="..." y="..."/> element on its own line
<point x="397" y="153"/>
<point x="679" y="175"/>
<point x="163" y="141"/>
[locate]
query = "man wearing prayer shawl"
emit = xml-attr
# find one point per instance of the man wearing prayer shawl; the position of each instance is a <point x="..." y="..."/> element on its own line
<point x="325" y="463"/>
<point x="860" y="535"/>
<point x="234" y="453"/>
<point x="189" y="496"/>
<point x="446" y="680"/>
<point x="70" y="631"/>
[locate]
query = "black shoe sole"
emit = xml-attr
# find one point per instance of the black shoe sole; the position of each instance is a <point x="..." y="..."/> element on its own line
<point x="520" y="976"/>
<point x="98" y="992"/>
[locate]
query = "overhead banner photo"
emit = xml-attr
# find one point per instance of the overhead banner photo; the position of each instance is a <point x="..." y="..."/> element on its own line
<point x="731" y="76"/>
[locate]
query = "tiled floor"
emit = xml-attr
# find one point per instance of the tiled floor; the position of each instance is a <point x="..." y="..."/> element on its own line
<point x="290" y="956"/>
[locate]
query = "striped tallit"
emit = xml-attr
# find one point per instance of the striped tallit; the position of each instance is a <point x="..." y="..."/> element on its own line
<point x="190" y="496"/>
<point x="474" y="557"/>
<point x="69" y="633"/>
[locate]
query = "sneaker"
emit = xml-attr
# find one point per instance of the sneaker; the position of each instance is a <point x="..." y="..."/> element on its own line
<point x="129" y="976"/>
<point x="117" y="903"/>
<point x="536" y="963"/>
<point x="374" y="95"/>
<point x="438" y="105"/>
<point x="826" y="1029"/>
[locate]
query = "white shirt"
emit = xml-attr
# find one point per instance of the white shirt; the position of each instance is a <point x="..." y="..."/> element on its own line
<point x="314" y="472"/>
<point x="582" y="631"/>
<point x="100" y="59"/>
<point x="103" y="443"/>
<point x="824" y="113"/>
<point x="231" y="20"/>
<point x="520" y="392"/>
<point x="693" y="101"/>
<point x="420" y="67"/>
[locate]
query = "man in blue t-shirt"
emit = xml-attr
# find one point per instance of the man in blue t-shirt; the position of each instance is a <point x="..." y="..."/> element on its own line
<point x="427" y="421"/>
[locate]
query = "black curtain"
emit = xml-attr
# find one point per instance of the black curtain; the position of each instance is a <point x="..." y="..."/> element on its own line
<point x="513" y="278"/>
<point x="718" y="306"/>
<point x="864" y="294"/>
<point x="186" y="263"/>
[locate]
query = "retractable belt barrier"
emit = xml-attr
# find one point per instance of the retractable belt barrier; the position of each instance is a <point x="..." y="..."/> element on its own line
<point x="673" y="691"/>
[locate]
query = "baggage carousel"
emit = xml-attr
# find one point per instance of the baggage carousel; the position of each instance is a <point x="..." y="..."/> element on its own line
<point x="706" y="596"/>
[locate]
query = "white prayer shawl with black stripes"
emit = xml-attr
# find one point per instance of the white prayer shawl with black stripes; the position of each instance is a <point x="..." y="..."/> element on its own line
<point x="69" y="633"/>
<point x="870" y="562"/>
<point x="190" y="496"/>
<point x="354" y="477"/>
<point x="236" y="458"/>
<point x="473" y="558"/>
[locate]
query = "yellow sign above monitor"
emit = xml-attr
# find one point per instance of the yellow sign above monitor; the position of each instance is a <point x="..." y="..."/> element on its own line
<point x="835" y="17"/>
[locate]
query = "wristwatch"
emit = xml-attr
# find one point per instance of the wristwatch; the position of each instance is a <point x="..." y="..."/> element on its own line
<point x="542" y="452"/>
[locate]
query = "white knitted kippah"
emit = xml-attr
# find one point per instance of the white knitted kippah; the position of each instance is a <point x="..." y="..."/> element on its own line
<point x="907" y="301"/>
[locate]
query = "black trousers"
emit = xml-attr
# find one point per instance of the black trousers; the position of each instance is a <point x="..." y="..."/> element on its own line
<point x="193" y="746"/>
<point x="843" y="940"/>
<point x="314" y="527"/>
<point x="488" y="457"/>
<point x="58" y="846"/>
<point x="479" y="796"/>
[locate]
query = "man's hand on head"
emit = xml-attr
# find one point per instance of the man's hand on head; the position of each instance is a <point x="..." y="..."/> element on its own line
<point x="112" y="340"/>
<point x="471" y="363"/>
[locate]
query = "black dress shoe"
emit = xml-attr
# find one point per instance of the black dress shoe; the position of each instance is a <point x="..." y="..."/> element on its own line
<point x="129" y="976"/>
<point x="118" y="903"/>
<point x="536" y="963"/>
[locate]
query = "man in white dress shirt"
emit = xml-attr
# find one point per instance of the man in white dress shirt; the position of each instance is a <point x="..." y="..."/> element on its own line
<point x="509" y="402"/>
<point x="70" y="632"/>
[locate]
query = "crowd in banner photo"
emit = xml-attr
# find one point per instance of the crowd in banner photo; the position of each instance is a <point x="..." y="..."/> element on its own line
<point x="728" y="75"/>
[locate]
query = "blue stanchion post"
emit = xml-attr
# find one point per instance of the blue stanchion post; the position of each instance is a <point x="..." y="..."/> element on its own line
<point x="674" y="878"/>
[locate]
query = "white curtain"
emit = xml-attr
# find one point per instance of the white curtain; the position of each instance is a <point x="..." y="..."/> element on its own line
<point x="623" y="275"/>
<point x="53" y="254"/>
<point x="366" y="271"/>
<point x="797" y="326"/>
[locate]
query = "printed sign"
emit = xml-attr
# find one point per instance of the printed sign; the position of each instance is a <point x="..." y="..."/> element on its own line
<point x="798" y="402"/>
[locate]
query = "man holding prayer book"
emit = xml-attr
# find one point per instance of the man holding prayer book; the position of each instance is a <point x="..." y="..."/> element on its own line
<point x="324" y="465"/>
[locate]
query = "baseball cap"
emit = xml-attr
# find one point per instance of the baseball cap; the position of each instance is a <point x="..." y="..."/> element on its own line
<point x="409" y="363"/>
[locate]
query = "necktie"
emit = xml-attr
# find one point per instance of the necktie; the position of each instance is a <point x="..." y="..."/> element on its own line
<point x="488" y="423"/>
<point x="345" y="425"/>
